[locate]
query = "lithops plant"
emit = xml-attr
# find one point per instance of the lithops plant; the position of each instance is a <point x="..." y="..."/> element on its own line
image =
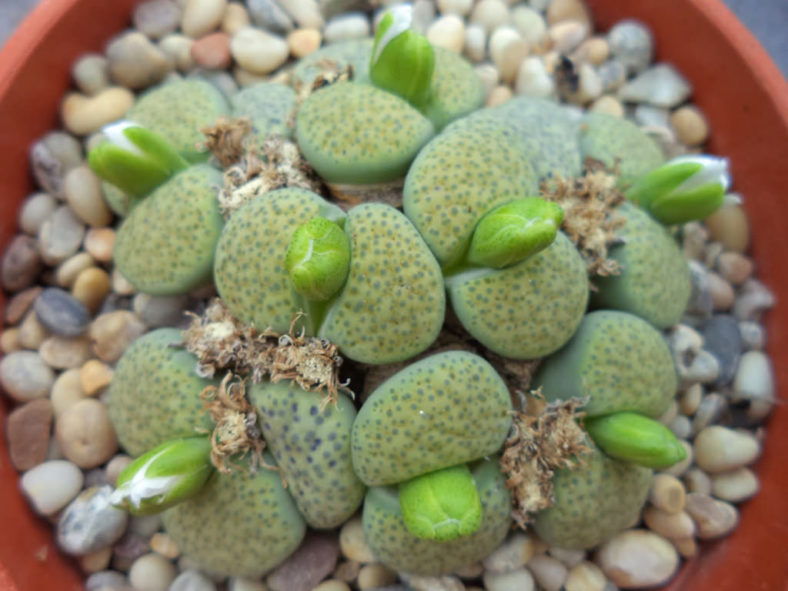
<point x="442" y="412"/>
<point x="270" y="108"/>
<point x="331" y="60"/>
<point x="391" y="305"/>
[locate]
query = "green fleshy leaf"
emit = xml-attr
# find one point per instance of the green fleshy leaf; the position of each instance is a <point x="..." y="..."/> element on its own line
<point x="318" y="259"/>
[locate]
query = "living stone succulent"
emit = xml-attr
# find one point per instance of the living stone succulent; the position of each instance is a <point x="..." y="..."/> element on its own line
<point x="270" y="108"/>
<point x="332" y="59"/>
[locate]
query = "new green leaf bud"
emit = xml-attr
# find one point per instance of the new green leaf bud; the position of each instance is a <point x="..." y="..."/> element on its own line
<point x="514" y="231"/>
<point x="318" y="259"/>
<point x="134" y="159"/>
<point x="635" y="438"/>
<point x="164" y="476"/>
<point x="686" y="188"/>
<point x="442" y="505"/>
<point x="402" y="60"/>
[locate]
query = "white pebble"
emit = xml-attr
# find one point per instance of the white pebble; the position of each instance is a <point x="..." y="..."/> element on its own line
<point x="631" y="43"/>
<point x="489" y="75"/>
<point x="661" y="85"/>
<point x="719" y="449"/>
<point x="646" y="115"/>
<point x="460" y="7"/>
<point x="713" y="518"/>
<point x="567" y="35"/>
<point x="517" y="580"/>
<point x="533" y="79"/>
<point x="549" y="572"/>
<point x="697" y="481"/>
<point x="475" y="43"/>
<point x="735" y="486"/>
<point x="306" y="13"/>
<point x="507" y="50"/>
<point x="192" y="580"/>
<point x="347" y="26"/>
<point x="25" y="376"/>
<point x="84" y="195"/>
<point x="514" y="553"/>
<point x="178" y="49"/>
<point x="568" y="557"/>
<point x="674" y="526"/>
<point x="200" y="17"/>
<point x="35" y="209"/>
<point x="90" y="522"/>
<point x="240" y="584"/>
<point x="257" y="51"/>
<point x="490" y="14"/>
<point x="754" y="381"/>
<point x="91" y="73"/>
<point x="638" y="558"/>
<point x="585" y="576"/>
<point x="152" y="572"/>
<point x="51" y="486"/>
<point x="448" y="31"/>
<point x="530" y="24"/>
<point x="609" y="105"/>
<point x="353" y="544"/>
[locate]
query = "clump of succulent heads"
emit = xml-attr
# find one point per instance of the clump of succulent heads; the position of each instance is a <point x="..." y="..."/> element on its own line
<point x="340" y="217"/>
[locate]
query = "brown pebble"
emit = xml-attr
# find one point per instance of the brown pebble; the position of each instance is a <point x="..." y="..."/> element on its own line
<point x="212" y="51"/>
<point x="594" y="50"/>
<point x="373" y="576"/>
<point x="164" y="545"/>
<point x="735" y="267"/>
<point x="65" y="353"/>
<point x="27" y="432"/>
<point x="303" y="42"/>
<point x="115" y="466"/>
<point x="113" y="332"/>
<point x="94" y="376"/>
<point x="687" y="547"/>
<point x="9" y="341"/>
<point x="85" y="433"/>
<point x="730" y="226"/>
<point x="66" y="390"/>
<point x="21" y="263"/>
<point x="100" y="242"/>
<point x="347" y="571"/>
<point x="91" y="287"/>
<point x="121" y="285"/>
<point x="690" y="125"/>
<point x="96" y="561"/>
<point x="499" y="95"/>
<point x="31" y="332"/>
<point x="20" y="303"/>
<point x="667" y="493"/>
<point x="722" y="294"/>
<point x="67" y="271"/>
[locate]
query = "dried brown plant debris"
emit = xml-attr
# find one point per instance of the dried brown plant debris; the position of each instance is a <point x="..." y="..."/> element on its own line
<point x="277" y="164"/>
<point x="225" y="139"/>
<point x="330" y="73"/>
<point x="222" y="343"/>
<point x="544" y="438"/>
<point x="235" y="432"/>
<point x="589" y="203"/>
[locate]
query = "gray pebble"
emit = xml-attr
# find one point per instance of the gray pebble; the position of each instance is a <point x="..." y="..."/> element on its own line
<point x="701" y="303"/>
<point x="307" y="566"/>
<point x="711" y="408"/>
<point x="219" y="78"/>
<point x="106" y="580"/>
<point x="128" y="548"/>
<point x="704" y="368"/>
<point x="613" y="74"/>
<point x="753" y="300"/>
<point x="661" y="85"/>
<point x="52" y="157"/>
<point x="192" y="580"/>
<point x="91" y="73"/>
<point x="135" y="62"/>
<point x="681" y="427"/>
<point x="21" y="264"/>
<point x="60" y="235"/>
<point x="631" y="43"/>
<point x="61" y="313"/>
<point x="90" y="522"/>
<point x="753" y="336"/>
<point x="353" y="25"/>
<point x="156" y="311"/>
<point x="94" y="477"/>
<point x="649" y="116"/>
<point x="35" y="209"/>
<point x="25" y="376"/>
<point x="269" y="15"/>
<point x="722" y="339"/>
<point x="157" y="18"/>
<point x="145" y="525"/>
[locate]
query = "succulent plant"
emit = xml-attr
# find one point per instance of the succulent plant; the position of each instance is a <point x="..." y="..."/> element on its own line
<point x="334" y="58"/>
<point x="269" y="106"/>
<point x="456" y="89"/>
<point x="617" y="142"/>
<point x="154" y="395"/>
<point x="654" y="282"/>
<point x="178" y="111"/>
<point x="311" y="444"/>
<point x="165" y="246"/>
<point x="391" y="306"/>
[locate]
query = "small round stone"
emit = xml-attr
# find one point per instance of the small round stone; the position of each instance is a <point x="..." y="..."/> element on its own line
<point x="516" y="580"/>
<point x="585" y="576"/>
<point x="490" y="14"/>
<point x="27" y="430"/>
<point x="212" y="51"/>
<point x="674" y="526"/>
<point x="113" y="332"/>
<point x="373" y="576"/>
<point x="90" y="522"/>
<point x="735" y="267"/>
<point x="594" y="51"/>
<point x="257" y="51"/>
<point x="332" y="585"/>
<point x="353" y="544"/>
<point x="61" y="313"/>
<point x="60" y="235"/>
<point x="52" y="157"/>
<point x="25" y="376"/>
<point x="192" y="580"/>
<point x="345" y="27"/>
<point x="303" y="42"/>
<point x="67" y="271"/>
<point x="460" y="7"/>
<point x="735" y="486"/>
<point x="235" y="17"/>
<point x="91" y="73"/>
<point x="498" y="96"/>
<point x="533" y="79"/>
<point x="51" y="486"/>
<point x="35" y="209"/>
<point x="690" y="125"/>
<point x="65" y="352"/>
<point x="722" y="294"/>
<point x="94" y="376"/>
<point x="99" y="243"/>
<point x="157" y="18"/>
<point x="667" y="493"/>
<point x="85" y="433"/>
<point x="106" y="580"/>
<point x="713" y="518"/>
<point x="729" y="225"/>
<point x="475" y="43"/>
<point x="567" y="35"/>
<point x="631" y="44"/>
<point x="568" y="10"/>
<point x="9" y="340"/>
<point x="21" y="263"/>
<point x="638" y="558"/>
<point x="95" y="561"/>
<point x="177" y="48"/>
<point x="530" y="23"/>
<point x="91" y="287"/>
<point x="152" y="573"/>
<point x="609" y="105"/>
<point x="84" y="195"/>
<point x="719" y="449"/>
<point x="448" y="31"/>
<point x="549" y="573"/>
<point x="83" y="115"/>
<point x="164" y="545"/>
<point x="514" y="553"/>
<point x="507" y="49"/>
<point x="31" y="331"/>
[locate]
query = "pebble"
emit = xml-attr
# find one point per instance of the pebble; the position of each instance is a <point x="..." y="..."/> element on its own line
<point x="128" y="549"/>
<point x="681" y="427"/>
<point x="114" y="467"/>
<point x="21" y="263"/>
<point x="25" y="376"/>
<point x="60" y="236"/>
<point x="498" y="96"/>
<point x="99" y="243"/>
<point x="567" y="35"/>
<point x="516" y="580"/>
<point x="568" y="10"/>
<point x="157" y="18"/>
<point x="152" y="572"/>
<point x="201" y="17"/>
<point x="530" y="24"/>
<point x="192" y="580"/>
<point x="106" y="580"/>
<point x="711" y="408"/>
<point x="257" y="51"/>
<point x="753" y="336"/>
<point x="729" y="225"/>
<point x="31" y="332"/>
<point x="164" y="545"/>
<point x="52" y="157"/>
<point x="91" y="73"/>
<point x="85" y="433"/>
<point x="638" y="558"/>
<point x="585" y="576"/>
<point x="270" y="15"/>
<point x="631" y="43"/>
<point x="27" y="433"/>
<point x="212" y="51"/>
<point x="459" y="7"/>
<point x="354" y="25"/>
<point x="135" y="62"/>
<point x="548" y="572"/>
<point x="683" y="465"/>
<point x="722" y="293"/>
<point x="352" y="543"/>
<point x="303" y="42"/>
<point x="374" y="576"/>
<point x="719" y="449"/>
<point x="694" y="237"/>
<point x="95" y="561"/>
<point x="722" y="339"/>
<point x="697" y="481"/>
<point x="490" y="14"/>
<point x="332" y="585"/>
<point x="235" y="17"/>
<point x="422" y="583"/>
<point x="533" y="79"/>
<point x="594" y="51"/>
<point x="145" y="525"/>
<point x="347" y="570"/>
<point x="94" y="376"/>
<point x="589" y="85"/>
<point x="178" y="49"/>
<point x="305" y="13"/>
<point x="423" y="15"/>
<point x="568" y="558"/>
<point x="650" y="116"/>
<point x="157" y="311"/>
<point x="690" y="399"/>
<point x="475" y="43"/>
<point x="754" y="382"/>
<point x="91" y="287"/>
<point x="67" y="272"/>
<point x="613" y="74"/>
<point x="674" y="526"/>
<point x="314" y="559"/>
<point x="50" y="486"/>
<point x="61" y="313"/>
<point x="90" y="522"/>
<point x="448" y="32"/>
<point x="753" y="300"/>
<point x="690" y="125"/>
<point x="608" y="105"/>
<point x="240" y="584"/>
<point x="712" y="517"/>
<point x="514" y="553"/>
<point x="65" y="352"/>
<point x="9" y="340"/>
<point x="34" y="210"/>
<point x="661" y="85"/>
<point x="113" y="332"/>
<point x="735" y="486"/>
<point x="507" y="50"/>
<point x="66" y="390"/>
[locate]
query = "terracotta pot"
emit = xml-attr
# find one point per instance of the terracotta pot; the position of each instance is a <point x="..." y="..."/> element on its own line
<point x="736" y="85"/>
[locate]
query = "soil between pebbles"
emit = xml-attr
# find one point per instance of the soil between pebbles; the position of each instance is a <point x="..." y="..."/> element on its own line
<point x="70" y="314"/>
